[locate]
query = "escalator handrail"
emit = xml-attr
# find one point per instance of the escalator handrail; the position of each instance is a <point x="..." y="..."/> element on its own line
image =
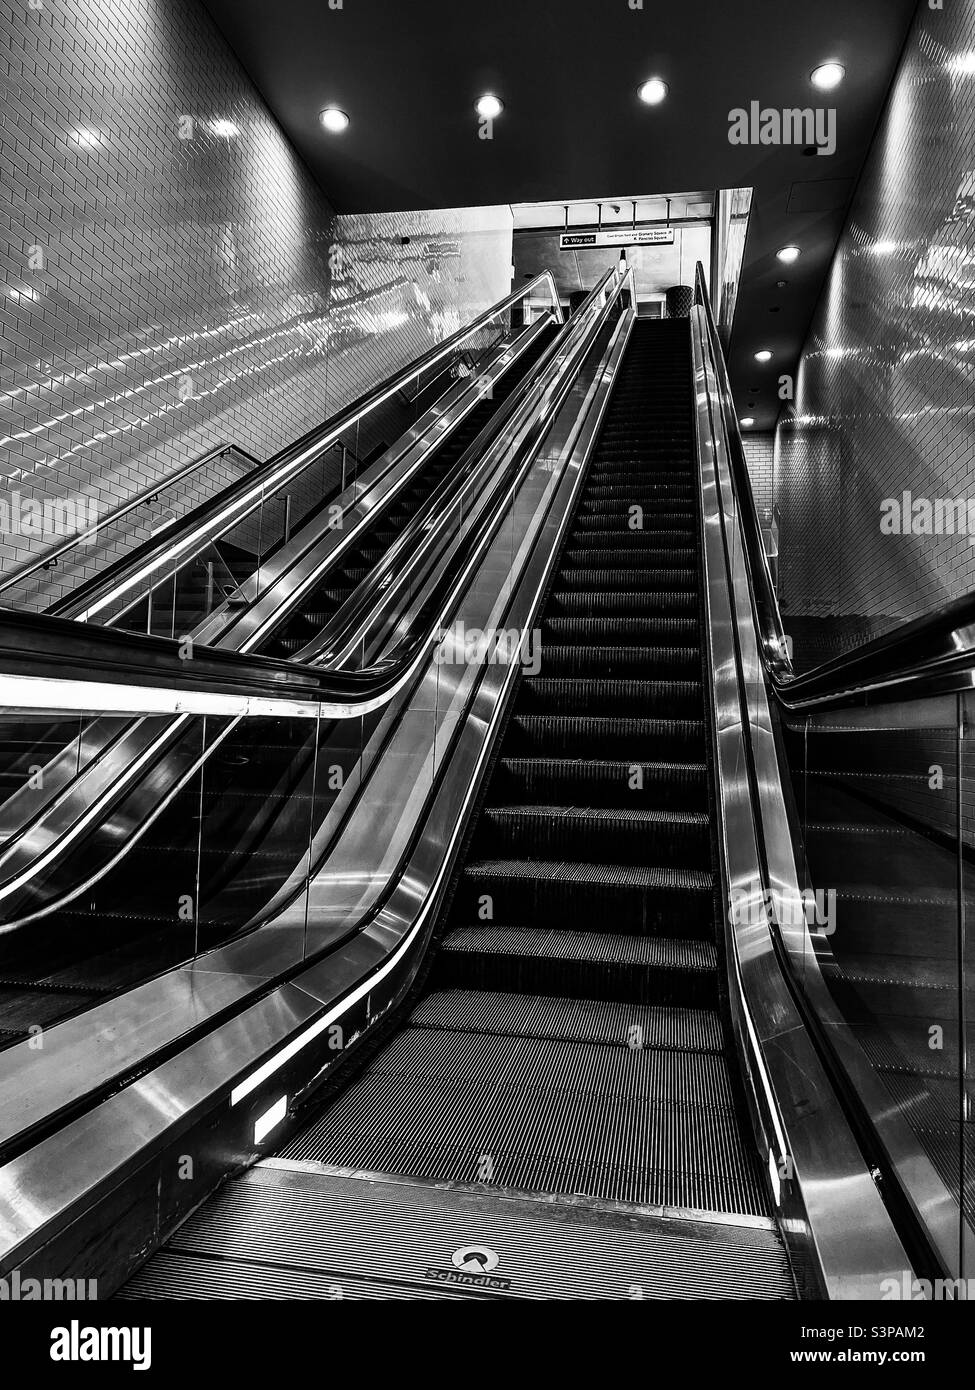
<point x="929" y="656"/>
<point x="244" y="496"/>
<point x="38" y="649"/>
<point x="49" y="558"/>
<point x="771" y="629"/>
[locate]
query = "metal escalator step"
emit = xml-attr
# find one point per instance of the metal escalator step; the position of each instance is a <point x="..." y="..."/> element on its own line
<point x="617" y="520"/>
<point x="626" y="469"/>
<point x="684" y="631"/>
<point x="662" y="504"/>
<point x="617" y="1148"/>
<point x="630" y="539"/>
<point x="585" y="659"/>
<point x="313" y="1232"/>
<point x="644" y="424"/>
<point x="575" y="695"/>
<point x="904" y="1044"/>
<point x="35" y="1007"/>
<point x="647" y="454"/>
<point x="883" y="858"/>
<point x="640" y="835"/>
<point x="663" y="511"/>
<point x="666" y="901"/>
<point x="608" y="736"/>
<point x="671" y="901"/>
<point x="582" y="1020"/>
<point x="628" y="579"/>
<point x="565" y="603"/>
<point x="600" y="782"/>
<point x="488" y="1063"/>
<point x="677" y="558"/>
<point x="925" y="1103"/>
<point x="665" y="954"/>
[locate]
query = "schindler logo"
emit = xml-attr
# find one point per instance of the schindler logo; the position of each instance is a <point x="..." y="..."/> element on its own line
<point x="474" y="1267"/>
<point x="793" y="125"/>
<point x="908" y="515"/>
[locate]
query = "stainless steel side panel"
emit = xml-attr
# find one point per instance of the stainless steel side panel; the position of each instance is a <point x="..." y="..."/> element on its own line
<point x="826" y="1193"/>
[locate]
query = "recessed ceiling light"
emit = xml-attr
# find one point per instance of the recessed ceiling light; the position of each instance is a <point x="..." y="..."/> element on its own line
<point x="963" y="64"/>
<point x="488" y="106"/>
<point x="334" y="119"/>
<point x="884" y="248"/>
<point x="747" y="420"/>
<point x="827" y="75"/>
<point x="788" y="254"/>
<point x="764" y="355"/>
<point x="652" y="91"/>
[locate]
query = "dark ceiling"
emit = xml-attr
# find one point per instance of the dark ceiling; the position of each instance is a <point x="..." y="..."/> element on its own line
<point x="408" y="72"/>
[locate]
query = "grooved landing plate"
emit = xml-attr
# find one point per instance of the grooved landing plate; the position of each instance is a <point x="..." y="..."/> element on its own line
<point x="296" y="1232"/>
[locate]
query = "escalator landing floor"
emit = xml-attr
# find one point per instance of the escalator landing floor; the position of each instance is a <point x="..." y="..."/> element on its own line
<point x="304" y="1230"/>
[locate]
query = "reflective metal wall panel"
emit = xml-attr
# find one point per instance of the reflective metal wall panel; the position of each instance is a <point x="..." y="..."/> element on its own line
<point x="885" y="402"/>
<point x="170" y="274"/>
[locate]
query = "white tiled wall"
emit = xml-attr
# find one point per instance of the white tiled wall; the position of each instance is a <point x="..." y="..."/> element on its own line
<point x="170" y="275"/>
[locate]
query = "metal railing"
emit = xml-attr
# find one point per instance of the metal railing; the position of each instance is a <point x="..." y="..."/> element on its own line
<point x="50" y="558"/>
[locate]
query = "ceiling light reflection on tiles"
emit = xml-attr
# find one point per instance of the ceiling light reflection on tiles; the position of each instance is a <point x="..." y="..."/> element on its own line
<point x="226" y="129"/>
<point x="88" y="139"/>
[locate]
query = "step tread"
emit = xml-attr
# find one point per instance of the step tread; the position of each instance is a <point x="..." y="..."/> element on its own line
<point x="611" y="875"/>
<point x="555" y="1016"/>
<point x="558" y="943"/>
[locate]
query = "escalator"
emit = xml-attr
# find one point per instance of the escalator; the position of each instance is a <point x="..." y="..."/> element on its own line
<point x="538" y="1017"/>
<point x="228" y="841"/>
<point x="570" y="1039"/>
<point x="327" y="598"/>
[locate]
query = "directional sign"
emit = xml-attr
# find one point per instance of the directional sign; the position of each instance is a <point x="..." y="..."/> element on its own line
<point x="617" y="236"/>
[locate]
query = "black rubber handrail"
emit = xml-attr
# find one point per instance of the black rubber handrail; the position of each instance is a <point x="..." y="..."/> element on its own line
<point x="771" y="630"/>
<point x="926" y="657"/>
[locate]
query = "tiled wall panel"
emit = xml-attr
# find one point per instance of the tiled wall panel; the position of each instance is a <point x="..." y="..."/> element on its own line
<point x="760" y="457"/>
<point x="886" y="387"/>
<point x="170" y="275"/>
